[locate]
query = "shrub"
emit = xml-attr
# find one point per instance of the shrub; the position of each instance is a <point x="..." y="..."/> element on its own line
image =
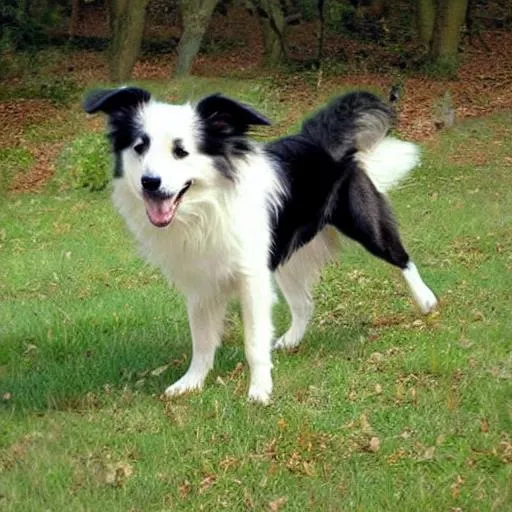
<point x="26" y="25"/>
<point x="85" y="163"/>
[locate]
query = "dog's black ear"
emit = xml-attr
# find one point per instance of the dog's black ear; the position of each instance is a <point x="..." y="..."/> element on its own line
<point x="113" y="100"/>
<point x="226" y="117"/>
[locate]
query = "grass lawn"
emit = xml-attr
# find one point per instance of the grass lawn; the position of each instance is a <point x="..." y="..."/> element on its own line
<point x="379" y="408"/>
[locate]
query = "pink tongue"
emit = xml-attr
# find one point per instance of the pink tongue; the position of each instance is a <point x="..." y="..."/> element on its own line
<point x="160" y="213"/>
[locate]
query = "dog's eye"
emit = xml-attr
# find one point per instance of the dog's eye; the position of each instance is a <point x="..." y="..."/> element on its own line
<point x="139" y="148"/>
<point x="178" y="151"/>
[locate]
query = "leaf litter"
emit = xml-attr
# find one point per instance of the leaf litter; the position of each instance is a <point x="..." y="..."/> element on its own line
<point x="483" y="85"/>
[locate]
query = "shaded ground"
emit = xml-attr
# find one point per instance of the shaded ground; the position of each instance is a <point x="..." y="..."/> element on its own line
<point x="233" y="49"/>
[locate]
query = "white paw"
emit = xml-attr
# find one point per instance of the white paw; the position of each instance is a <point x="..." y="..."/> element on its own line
<point x="187" y="383"/>
<point x="422" y="294"/>
<point x="427" y="301"/>
<point x="260" y="394"/>
<point x="286" y="342"/>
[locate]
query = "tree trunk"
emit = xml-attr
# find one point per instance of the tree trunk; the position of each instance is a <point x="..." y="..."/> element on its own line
<point x="273" y="25"/>
<point x="425" y="19"/>
<point x="321" y="32"/>
<point x="195" y="15"/>
<point x="445" y="41"/>
<point x="126" y="19"/>
<point x="74" y="19"/>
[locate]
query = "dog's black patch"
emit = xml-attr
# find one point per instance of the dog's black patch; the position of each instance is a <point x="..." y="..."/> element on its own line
<point x="224" y="125"/>
<point x="327" y="186"/>
<point x="310" y="175"/>
<point x="121" y="106"/>
<point x="118" y="165"/>
<point x="226" y="117"/>
<point x="110" y="101"/>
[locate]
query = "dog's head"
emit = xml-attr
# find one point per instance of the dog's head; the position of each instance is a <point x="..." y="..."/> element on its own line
<point x="168" y="151"/>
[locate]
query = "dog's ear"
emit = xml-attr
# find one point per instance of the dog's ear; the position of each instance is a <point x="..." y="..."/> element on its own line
<point x="226" y="117"/>
<point x="114" y="100"/>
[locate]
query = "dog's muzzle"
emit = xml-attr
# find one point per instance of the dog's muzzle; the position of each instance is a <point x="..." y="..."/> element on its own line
<point x="161" y="207"/>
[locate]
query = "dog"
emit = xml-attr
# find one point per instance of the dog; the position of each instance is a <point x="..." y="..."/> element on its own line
<point x="222" y="215"/>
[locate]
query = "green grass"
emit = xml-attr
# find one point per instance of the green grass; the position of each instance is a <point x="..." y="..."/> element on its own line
<point x="379" y="409"/>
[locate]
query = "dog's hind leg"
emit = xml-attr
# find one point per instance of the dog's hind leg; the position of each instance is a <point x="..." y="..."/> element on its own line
<point x="206" y="321"/>
<point x="296" y="279"/>
<point x="363" y="214"/>
<point x="297" y="290"/>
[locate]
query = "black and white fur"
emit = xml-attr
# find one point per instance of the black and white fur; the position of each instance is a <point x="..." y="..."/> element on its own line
<point x="222" y="215"/>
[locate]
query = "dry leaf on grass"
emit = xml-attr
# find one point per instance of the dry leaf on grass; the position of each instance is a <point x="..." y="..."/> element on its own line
<point x="484" y="425"/>
<point x="207" y="481"/>
<point x="374" y="445"/>
<point x="429" y="453"/>
<point x="117" y="474"/>
<point x="456" y="486"/>
<point x="366" y="428"/>
<point x="275" y="505"/>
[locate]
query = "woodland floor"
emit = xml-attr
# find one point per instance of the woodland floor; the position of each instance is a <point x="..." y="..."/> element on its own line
<point x="233" y="49"/>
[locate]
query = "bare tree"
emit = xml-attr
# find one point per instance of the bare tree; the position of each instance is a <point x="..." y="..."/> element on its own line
<point x="273" y="25"/>
<point x="195" y="15"/>
<point x="450" y="15"/>
<point x="126" y="19"/>
<point x="425" y="18"/>
<point x="439" y="25"/>
<point x="74" y="19"/>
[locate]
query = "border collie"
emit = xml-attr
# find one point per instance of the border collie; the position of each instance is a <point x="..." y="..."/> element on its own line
<point x="222" y="215"/>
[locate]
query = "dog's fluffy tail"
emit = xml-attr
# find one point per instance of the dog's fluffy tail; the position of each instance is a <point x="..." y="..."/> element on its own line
<point x="387" y="163"/>
<point x="356" y="125"/>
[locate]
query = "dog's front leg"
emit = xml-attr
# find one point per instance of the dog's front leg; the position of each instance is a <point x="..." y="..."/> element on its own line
<point x="257" y="298"/>
<point x="206" y="320"/>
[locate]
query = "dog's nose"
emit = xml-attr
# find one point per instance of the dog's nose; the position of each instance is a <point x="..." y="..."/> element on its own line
<point x="150" y="183"/>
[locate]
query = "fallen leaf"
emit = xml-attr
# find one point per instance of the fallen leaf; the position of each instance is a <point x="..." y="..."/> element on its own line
<point x="282" y="424"/>
<point x="117" y="474"/>
<point x="455" y="487"/>
<point x="184" y="488"/>
<point x="374" y="445"/>
<point x="376" y="357"/>
<point x="207" y="482"/>
<point x="158" y="371"/>
<point x="429" y="452"/>
<point x="366" y="428"/>
<point x="484" y="425"/>
<point x="275" y="505"/>
<point x="478" y="316"/>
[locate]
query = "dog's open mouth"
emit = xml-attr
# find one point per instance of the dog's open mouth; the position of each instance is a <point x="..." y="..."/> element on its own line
<point x="161" y="210"/>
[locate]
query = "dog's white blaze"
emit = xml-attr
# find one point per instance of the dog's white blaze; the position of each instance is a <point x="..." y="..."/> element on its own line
<point x="218" y="243"/>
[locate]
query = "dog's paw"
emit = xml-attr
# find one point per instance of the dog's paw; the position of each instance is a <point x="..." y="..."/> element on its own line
<point x="427" y="301"/>
<point x="286" y="342"/>
<point x="259" y="395"/>
<point x="187" y="383"/>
